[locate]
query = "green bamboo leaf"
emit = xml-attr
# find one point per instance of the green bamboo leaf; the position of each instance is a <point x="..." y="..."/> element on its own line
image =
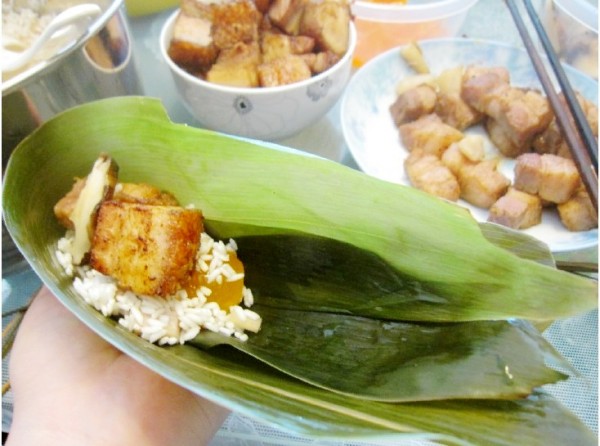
<point x="244" y="385"/>
<point x="245" y="189"/>
<point x="395" y="361"/>
<point x="519" y="243"/>
<point x="265" y="191"/>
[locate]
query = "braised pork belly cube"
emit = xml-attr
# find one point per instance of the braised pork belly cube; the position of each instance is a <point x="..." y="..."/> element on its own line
<point x="237" y="66"/>
<point x="427" y="173"/>
<point x="521" y="113"/>
<point x="192" y="46"/>
<point x="413" y="103"/>
<point x="528" y="173"/>
<point x="319" y="62"/>
<point x="456" y="112"/>
<point x="517" y="210"/>
<point x="467" y="151"/>
<point x="287" y="14"/>
<point x="450" y="106"/>
<point x="499" y="137"/>
<point x="578" y="213"/>
<point x="327" y="23"/>
<point x="479" y="81"/>
<point x="482" y="184"/>
<point x="283" y="71"/>
<point x="275" y="45"/>
<point x="552" y="140"/>
<point x="144" y="194"/>
<point x="430" y="134"/>
<point x="149" y="250"/>
<point x="551" y="177"/>
<point x="234" y="22"/>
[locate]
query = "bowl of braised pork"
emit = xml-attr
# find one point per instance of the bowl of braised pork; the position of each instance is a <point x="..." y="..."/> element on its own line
<point x="259" y="71"/>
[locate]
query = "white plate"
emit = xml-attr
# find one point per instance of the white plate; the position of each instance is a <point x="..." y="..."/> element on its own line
<point x="374" y="141"/>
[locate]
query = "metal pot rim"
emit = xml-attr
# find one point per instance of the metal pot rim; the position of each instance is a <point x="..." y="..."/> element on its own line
<point x="38" y="70"/>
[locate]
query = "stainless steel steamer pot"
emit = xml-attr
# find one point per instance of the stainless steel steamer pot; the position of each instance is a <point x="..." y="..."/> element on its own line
<point x="99" y="65"/>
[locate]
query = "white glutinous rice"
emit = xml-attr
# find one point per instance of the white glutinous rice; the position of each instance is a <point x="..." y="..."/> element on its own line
<point x="177" y="318"/>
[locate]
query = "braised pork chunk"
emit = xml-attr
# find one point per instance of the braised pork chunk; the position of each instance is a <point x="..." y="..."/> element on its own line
<point x="552" y="177"/>
<point x="282" y="71"/>
<point x="552" y="141"/>
<point x="450" y="106"/>
<point x="479" y="82"/>
<point x="482" y="184"/>
<point x="467" y="151"/>
<point x="428" y="173"/>
<point x="430" y="134"/>
<point x="413" y="103"/>
<point x="578" y="213"/>
<point x="517" y="210"/>
<point x="192" y="46"/>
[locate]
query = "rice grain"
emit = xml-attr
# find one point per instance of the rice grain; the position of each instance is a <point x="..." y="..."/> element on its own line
<point x="177" y="318"/>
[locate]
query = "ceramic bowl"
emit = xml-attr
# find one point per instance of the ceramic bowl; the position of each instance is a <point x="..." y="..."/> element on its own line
<point x="270" y="113"/>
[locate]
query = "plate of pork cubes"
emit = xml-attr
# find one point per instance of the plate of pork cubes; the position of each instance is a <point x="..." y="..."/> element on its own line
<point x="468" y="121"/>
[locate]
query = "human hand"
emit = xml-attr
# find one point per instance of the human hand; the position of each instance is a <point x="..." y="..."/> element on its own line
<point x="71" y="387"/>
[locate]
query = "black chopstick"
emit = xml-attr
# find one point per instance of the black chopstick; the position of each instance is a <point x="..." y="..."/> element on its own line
<point x="580" y="119"/>
<point x="576" y="131"/>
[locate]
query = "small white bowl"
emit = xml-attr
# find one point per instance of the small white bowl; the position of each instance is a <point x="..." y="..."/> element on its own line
<point x="269" y="113"/>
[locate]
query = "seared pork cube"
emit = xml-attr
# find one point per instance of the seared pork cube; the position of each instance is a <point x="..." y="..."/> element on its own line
<point x="237" y="66"/>
<point x="479" y="81"/>
<point x="287" y="14"/>
<point x="456" y="112"/>
<point x="413" y="103"/>
<point x="430" y="134"/>
<point x="327" y="23"/>
<point x="283" y="71"/>
<point x="192" y="46"/>
<point x="427" y="173"/>
<point x="502" y="141"/>
<point x="551" y="177"/>
<point x="149" y="250"/>
<point x="522" y="113"/>
<point x="275" y="45"/>
<point x="450" y="106"/>
<point x="144" y="194"/>
<point x="467" y="151"/>
<point x="517" y="210"/>
<point x="528" y="173"/>
<point x="552" y="140"/>
<point x="234" y="22"/>
<point x="578" y="213"/>
<point x="482" y="184"/>
<point x="319" y="62"/>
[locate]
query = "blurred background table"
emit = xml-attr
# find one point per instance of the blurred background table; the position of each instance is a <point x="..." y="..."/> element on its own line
<point x="576" y="339"/>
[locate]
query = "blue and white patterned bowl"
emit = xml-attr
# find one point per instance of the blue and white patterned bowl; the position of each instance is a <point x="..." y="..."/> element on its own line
<point x="261" y="113"/>
<point x="374" y="141"/>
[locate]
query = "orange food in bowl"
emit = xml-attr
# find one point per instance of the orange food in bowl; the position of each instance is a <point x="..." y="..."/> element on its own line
<point x="378" y="37"/>
<point x="386" y="24"/>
